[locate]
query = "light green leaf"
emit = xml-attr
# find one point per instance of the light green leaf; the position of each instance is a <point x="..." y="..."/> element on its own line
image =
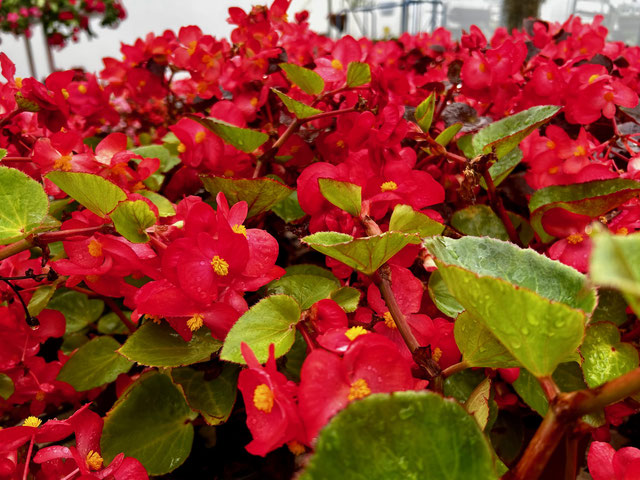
<point x="365" y="254"/>
<point x="6" y="386"/>
<point x="168" y="159"/>
<point x="77" y="309"/>
<point x="24" y="205"/>
<point x="3" y="153"/>
<point x="344" y="195"/>
<point x="442" y="297"/>
<point x="110" y="324"/>
<point x="299" y="109"/>
<point x="358" y="73"/>
<point x="419" y="435"/>
<point x="503" y="167"/>
<point x="445" y="137"/>
<point x="132" y="218"/>
<point x="479" y="347"/>
<point x="424" y="112"/>
<point x="605" y="356"/>
<point x="305" y="79"/>
<point x="506" y="134"/>
<point x="165" y="207"/>
<point x="478" y="403"/>
<point x="271" y="320"/>
<point x="407" y="220"/>
<point x="213" y="399"/>
<point x="305" y="289"/>
<point x="534" y="306"/>
<point x="612" y="307"/>
<point x="161" y="346"/>
<point x="347" y="297"/>
<point x="261" y="194"/>
<point x="244" y="139"/>
<point x="590" y="198"/>
<point x="460" y="385"/>
<point x="96" y="363"/>
<point x="91" y="191"/>
<point x="481" y="221"/>
<point x="289" y="209"/>
<point x="152" y="423"/>
<point x="40" y="299"/>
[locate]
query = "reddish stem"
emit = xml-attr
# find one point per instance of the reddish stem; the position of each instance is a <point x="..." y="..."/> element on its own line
<point x="498" y="208"/>
<point x="25" y="474"/>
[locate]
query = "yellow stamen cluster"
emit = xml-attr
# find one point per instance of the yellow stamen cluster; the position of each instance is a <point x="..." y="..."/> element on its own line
<point x="181" y="148"/>
<point x="32" y="422"/>
<point x="82" y="89"/>
<point x="95" y="248"/>
<point x="355" y="332"/>
<point x="579" y="151"/>
<point x="94" y="460"/>
<point x="388" y="320"/>
<point x="436" y="355"/>
<point x="241" y="229"/>
<point x="359" y="389"/>
<point x="337" y="64"/>
<point x="388" y="186"/>
<point x="575" y="238"/>
<point x="622" y="231"/>
<point x="263" y="398"/>
<point x="220" y="266"/>
<point x="65" y="93"/>
<point x="63" y="163"/>
<point x="296" y="448"/>
<point x="195" y="322"/>
<point x="200" y="136"/>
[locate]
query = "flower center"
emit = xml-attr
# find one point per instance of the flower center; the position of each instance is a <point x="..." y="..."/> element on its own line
<point x="553" y="170"/>
<point x="200" y="136"/>
<point x="579" y="151"/>
<point x="608" y="96"/>
<point x="63" y="163"/>
<point x="622" y="231"/>
<point x="337" y="64"/>
<point x="575" y="238"/>
<point x="355" y="332"/>
<point x="220" y="266"/>
<point x="82" y="89"/>
<point x="593" y="78"/>
<point x="388" y="320"/>
<point x="436" y="355"/>
<point x="40" y="396"/>
<point x="359" y="389"/>
<point x="181" y="148"/>
<point x="551" y="144"/>
<point x="296" y="447"/>
<point x="482" y="67"/>
<point x="388" y="186"/>
<point x="95" y="248"/>
<point x="94" y="460"/>
<point x="195" y="322"/>
<point x="32" y="422"/>
<point x="192" y="47"/>
<point x="65" y="93"/>
<point x="241" y="229"/>
<point x="263" y="398"/>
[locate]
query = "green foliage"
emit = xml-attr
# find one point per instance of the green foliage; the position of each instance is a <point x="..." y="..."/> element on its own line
<point x="365" y="254"/>
<point x="96" y="363"/>
<point x="159" y="345"/>
<point x="306" y="289"/>
<point x="24" y="205"/>
<point x="40" y="299"/>
<point x="271" y="320"/>
<point x="289" y="209"/>
<point x="77" y="309"/>
<point x="6" y="386"/>
<point x="479" y="347"/>
<point x="305" y="79"/>
<point x="244" y="139"/>
<point x="358" y="73"/>
<point x="165" y="207"/>
<point x="408" y="435"/>
<point x="481" y="221"/>
<point x="442" y="297"/>
<point x="347" y="297"/>
<point x="151" y="421"/>
<point x="503" y="167"/>
<point x="344" y="195"/>
<point x="132" y="218"/>
<point x="478" y="403"/>
<point x="424" y="112"/>
<point x="91" y="191"/>
<point x="445" y="137"/>
<point x="299" y="109"/>
<point x="407" y="220"/>
<point x="261" y="194"/>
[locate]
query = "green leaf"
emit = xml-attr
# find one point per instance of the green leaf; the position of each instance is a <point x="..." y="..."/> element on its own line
<point x="506" y="134"/>
<point x="534" y="306"/>
<point x="358" y="73"/>
<point x="168" y="160"/>
<point x="150" y="422"/>
<point x="271" y="320"/>
<point x="3" y="153"/>
<point x="347" y="297"/>
<point x="132" y="218"/>
<point x="611" y="307"/>
<point x="344" y="195"/>
<point x="165" y="207"/>
<point x="309" y="269"/>
<point x="305" y="289"/>
<point x="244" y="139"/>
<point x="77" y="309"/>
<point x="481" y="221"/>
<point x="6" y="386"/>
<point x="91" y="191"/>
<point x="40" y="299"/>
<point x="460" y="385"/>
<point x="416" y="435"/>
<point x="261" y="194"/>
<point x="365" y="254"/>
<point x="445" y="137"/>
<point x="289" y="209"/>
<point x="590" y="198"/>
<point x="503" y="167"/>
<point x="24" y="205"/>
<point x="479" y="347"/>
<point x="159" y="345"/>
<point x="507" y="436"/>
<point x="424" y="112"/>
<point x="96" y="363"/>
<point x="295" y="358"/>
<point x="614" y="263"/>
<point x="567" y="376"/>
<point x="214" y="398"/>
<point x="407" y="220"/>
<point x="605" y="356"/>
<point x="441" y="296"/>
<point x="478" y="403"/>
<point x="299" y="109"/>
<point x="110" y="324"/>
<point x="305" y="79"/>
